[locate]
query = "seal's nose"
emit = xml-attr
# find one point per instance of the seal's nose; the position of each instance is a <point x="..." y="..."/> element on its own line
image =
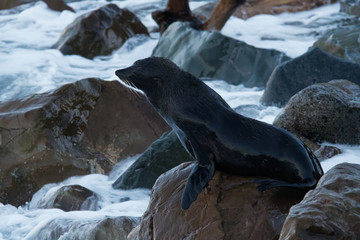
<point x="124" y="73"/>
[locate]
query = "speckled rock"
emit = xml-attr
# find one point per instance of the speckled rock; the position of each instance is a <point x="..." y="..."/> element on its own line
<point x="327" y="112"/>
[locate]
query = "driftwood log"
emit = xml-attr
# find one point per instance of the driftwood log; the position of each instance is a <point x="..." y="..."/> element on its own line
<point x="179" y="10"/>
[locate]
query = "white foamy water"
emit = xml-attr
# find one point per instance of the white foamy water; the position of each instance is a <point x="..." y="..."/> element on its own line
<point x="28" y="65"/>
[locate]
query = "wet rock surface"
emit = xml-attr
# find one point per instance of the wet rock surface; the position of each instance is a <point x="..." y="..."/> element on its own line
<point x="229" y="208"/>
<point x="164" y="154"/>
<point x="210" y="54"/>
<point x="253" y="8"/>
<point x="331" y="211"/>
<point x="326" y="112"/>
<point x="57" y="5"/>
<point x="343" y="41"/>
<point x="315" y="66"/>
<point x="74" y="198"/>
<point x="116" y="228"/>
<point x="99" y="32"/>
<point x="350" y="6"/>
<point x="80" y="128"/>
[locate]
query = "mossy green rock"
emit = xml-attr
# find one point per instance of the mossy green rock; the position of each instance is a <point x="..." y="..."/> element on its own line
<point x="211" y="54"/>
<point x="164" y="154"/>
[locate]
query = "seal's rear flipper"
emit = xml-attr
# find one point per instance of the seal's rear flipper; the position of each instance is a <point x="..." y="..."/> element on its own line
<point x="266" y="184"/>
<point x="197" y="180"/>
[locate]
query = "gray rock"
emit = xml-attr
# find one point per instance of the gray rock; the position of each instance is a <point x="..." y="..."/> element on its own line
<point x="324" y="112"/>
<point x="210" y="54"/>
<point x="164" y="154"/>
<point x="106" y="228"/>
<point x="331" y="211"/>
<point x="315" y="66"/>
<point x="343" y="41"/>
<point x="99" y="32"/>
<point x="350" y="6"/>
<point x="74" y="198"/>
<point x="204" y="12"/>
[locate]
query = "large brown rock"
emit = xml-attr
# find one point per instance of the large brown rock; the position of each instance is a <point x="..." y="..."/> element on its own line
<point x="230" y="208"/>
<point x="331" y="211"/>
<point x="80" y="128"/>
<point x="252" y="8"/>
<point x="99" y="32"/>
<point x="325" y="112"/>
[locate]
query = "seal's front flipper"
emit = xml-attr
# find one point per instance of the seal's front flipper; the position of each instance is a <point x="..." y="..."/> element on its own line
<point x="266" y="184"/>
<point x="197" y="180"/>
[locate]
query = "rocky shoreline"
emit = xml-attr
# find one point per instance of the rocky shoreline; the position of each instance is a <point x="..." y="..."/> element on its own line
<point x="90" y="125"/>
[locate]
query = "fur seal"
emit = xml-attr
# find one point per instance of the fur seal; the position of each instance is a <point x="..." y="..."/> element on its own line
<point x="218" y="137"/>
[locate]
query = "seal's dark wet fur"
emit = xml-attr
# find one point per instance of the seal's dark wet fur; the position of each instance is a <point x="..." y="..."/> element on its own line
<point x="218" y="137"/>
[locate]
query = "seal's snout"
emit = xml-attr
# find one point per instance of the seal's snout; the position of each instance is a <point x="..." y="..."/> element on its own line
<point x="124" y="73"/>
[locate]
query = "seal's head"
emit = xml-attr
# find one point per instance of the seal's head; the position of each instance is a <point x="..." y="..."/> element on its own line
<point x="155" y="76"/>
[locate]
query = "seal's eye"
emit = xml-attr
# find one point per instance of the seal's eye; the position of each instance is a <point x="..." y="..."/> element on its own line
<point x="157" y="81"/>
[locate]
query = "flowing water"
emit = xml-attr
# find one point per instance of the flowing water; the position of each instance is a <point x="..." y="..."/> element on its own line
<point x="29" y="65"/>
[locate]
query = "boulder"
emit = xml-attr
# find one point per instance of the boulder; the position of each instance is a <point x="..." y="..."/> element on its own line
<point x="343" y="42"/>
<point x="331" y="211"/>
<point x="106" y="228"/>
<point x="315" y="66"/>
<point x="210" y="54"/>
<point x="81" y="128"/>
<point x="73" y="198"/>
<point x="99" y="32"/>
<point x="325" y="112"/>
<point x="322" y="151"/>
<point x="229" y="208"/>
<point x="56" y="5"/>
<point x="350" y="7"/>
<point x="204" y="11"/>
<point x="252" y="8"/>
<point x="164" y="154"/>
